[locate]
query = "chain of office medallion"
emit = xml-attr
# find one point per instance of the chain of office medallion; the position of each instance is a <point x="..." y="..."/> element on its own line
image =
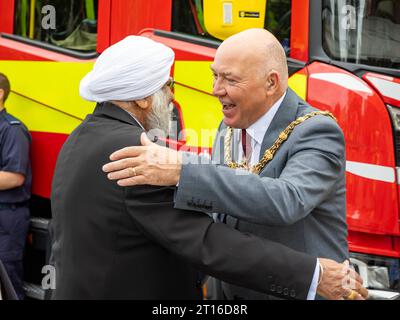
<point x="269" y="153"/>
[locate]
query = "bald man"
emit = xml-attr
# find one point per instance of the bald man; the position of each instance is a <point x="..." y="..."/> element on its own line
<point x="278" y="167"/>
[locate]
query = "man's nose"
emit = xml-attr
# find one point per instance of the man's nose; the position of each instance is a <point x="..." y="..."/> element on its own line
<point x="218" y="88"/>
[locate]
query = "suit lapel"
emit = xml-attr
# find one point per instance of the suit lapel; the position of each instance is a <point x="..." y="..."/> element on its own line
<point x="285" y="115"/>
<point x="218" y="152"/>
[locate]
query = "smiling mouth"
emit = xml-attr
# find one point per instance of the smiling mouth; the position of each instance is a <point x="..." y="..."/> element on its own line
<point x="228" y="106"/>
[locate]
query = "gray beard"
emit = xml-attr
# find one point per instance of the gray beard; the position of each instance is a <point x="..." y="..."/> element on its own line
<point x="160" y="114"/>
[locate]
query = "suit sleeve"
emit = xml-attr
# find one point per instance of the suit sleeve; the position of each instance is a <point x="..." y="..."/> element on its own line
<point x="216" y="249"/>
<point x="315" y="162"/>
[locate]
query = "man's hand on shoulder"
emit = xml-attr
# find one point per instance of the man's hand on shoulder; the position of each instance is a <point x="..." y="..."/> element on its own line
<point x="339" y="282"/>
<point x="147" y="164"/>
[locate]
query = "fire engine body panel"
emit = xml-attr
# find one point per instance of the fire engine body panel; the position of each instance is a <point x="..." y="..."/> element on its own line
<point x="366" y="101"/>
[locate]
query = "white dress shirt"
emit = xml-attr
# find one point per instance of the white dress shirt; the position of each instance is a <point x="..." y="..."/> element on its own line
<point x="257" y="132"/>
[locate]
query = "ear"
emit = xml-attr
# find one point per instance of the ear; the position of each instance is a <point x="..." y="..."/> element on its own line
<point x="1" y="95"/>
<point x="144" y="103"/>
<point x="272" y="83"/>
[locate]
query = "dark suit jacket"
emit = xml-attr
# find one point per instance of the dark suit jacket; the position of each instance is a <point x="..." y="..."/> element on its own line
<point x="130" y="243"/>
<point x="6" y="287"/>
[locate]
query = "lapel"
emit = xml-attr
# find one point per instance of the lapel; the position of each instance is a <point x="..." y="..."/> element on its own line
<point x="218" y="153"/>
<point x="112" y="111"/>
<point x="286" y="113"/>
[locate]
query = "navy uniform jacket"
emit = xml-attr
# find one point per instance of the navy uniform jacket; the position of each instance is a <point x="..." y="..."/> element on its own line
<point x="15" y="142"/>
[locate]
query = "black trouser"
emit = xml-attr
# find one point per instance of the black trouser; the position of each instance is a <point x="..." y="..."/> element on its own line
<point x="14" y="225"/>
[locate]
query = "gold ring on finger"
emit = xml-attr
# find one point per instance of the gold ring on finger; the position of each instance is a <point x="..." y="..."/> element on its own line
<point x="132" y="172"/>
<point x="352" y="295"/>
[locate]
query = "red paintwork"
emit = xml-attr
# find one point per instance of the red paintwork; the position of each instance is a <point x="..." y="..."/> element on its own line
<point x="300" y="30"/>
<point x="45" y="146"/>
<point x="388" y="100"/>
<point x="7" y="16"/>
<point x="372" y="206"/>
<point x="370" y="243"/>
<point x="130" y="17"/>
<point x="103" y="25"/>
<point x="45" y="149"/>
<point x="396" y="244"/>
<point x="183" y="50"/>
<point x="15" y="50"/>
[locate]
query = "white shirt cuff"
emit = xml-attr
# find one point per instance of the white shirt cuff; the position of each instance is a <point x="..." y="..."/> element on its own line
<point x="314" y="283"/>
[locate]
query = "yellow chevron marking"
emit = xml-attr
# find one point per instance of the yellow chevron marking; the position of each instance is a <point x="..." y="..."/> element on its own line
<point x="201" y="114"/>
<point x="298" y="83"/>
<point x="40" y="118"/>
<point x="55" y="84"/>
<point x="47" y="96"/>
<point x="196" y="74"/>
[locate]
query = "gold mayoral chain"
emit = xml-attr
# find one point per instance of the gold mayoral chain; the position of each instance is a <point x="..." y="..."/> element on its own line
<point x="269" y="153"/>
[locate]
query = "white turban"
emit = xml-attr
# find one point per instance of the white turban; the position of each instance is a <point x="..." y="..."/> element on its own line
<point x="132" y="69"/>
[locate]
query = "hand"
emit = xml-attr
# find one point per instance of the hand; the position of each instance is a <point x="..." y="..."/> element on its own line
<point x="147" y="164"/>
<point x="339" y="281"/>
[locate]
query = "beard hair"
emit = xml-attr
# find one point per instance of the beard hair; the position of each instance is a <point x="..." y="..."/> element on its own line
<point x="159" y="117"/>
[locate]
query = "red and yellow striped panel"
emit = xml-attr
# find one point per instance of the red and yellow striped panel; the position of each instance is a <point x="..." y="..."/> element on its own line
<point x="45" y="96"/>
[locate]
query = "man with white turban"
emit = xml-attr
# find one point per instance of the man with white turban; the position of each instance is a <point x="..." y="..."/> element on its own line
<point x="110" y="242"/>
<point x="133" y="72"/>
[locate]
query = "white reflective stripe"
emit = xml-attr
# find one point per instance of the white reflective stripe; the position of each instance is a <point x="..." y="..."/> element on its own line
<point x="386" y="88"/>
<point x="371" y="171"/>
<point x="398" y="175"/>
<point x="343" y="80"/>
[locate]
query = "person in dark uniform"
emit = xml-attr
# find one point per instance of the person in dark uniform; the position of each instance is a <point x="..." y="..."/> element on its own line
<point x="15" y="190"/>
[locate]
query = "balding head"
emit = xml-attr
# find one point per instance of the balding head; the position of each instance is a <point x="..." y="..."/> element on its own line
<point x="250" y="76"/>
<point x="261" y="50"/>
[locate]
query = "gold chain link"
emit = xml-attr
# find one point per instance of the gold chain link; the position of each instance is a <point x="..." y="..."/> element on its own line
<point x="269" y="153"/>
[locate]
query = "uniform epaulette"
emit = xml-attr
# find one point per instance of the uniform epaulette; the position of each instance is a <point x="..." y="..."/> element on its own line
<point x="11" y="120"/>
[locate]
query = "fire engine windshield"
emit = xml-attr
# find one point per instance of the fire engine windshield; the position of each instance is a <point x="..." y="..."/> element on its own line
<point x="362" y="31"/>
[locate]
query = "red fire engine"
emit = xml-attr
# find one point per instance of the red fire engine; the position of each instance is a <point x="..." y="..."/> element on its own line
<point x="343" y="56"/>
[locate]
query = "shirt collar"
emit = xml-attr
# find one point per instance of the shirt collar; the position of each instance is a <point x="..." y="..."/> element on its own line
<point x="111" y="110"/>
<point x="134" y="118"/>
<point x="258" y="129"/>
